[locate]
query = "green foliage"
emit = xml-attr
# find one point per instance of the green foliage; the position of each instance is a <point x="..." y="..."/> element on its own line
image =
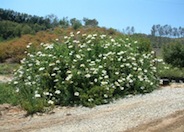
<point x="8" y="68"/>
<point x="174" y="53"/>
<point x="64" y="23"/>
<point x="143" y="43"/>
<point x="75" y="23"/>
<point x="86" y="69"/>
<point x="7" y="94"/>
<point x="90" y="22"/>
<point x="170" y="72"/>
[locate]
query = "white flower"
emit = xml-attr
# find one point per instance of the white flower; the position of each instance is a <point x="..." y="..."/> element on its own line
<point x="45" y="93"/>
<point x="122" y="88"/>
<point x="50" y="102"/>
<point x="29" y="77"/>
<point x="57" y="39"/>
<point x="106" y="76"/>
<point x="105" y="95"/>
<point x="15" y="82"/>
<point x="120" y="53"/>
<point x="51" y="64"/>
<point x="120" y="80"/>
<point x="112" y="40"/>
<point x="89" y="41"/>
<point x="95" y="80"/>
<point x="78" y="56"/>
<point x="102" y="36"/>
<point x="82" y="65"/>
<point x="28" y="83"/>
<point x="124" y="60"/>
<point x="71" y="34"/>
<point x="78" y="32"/>
<point x="89" y="49"/>
<point x="76" y="93"/>
<point x="53" y="74"/>
<point x="119" y="59"/>
<point x="58" y="61"/>
<point x="152" y="52"/>
<point x="76" y="41"/>
<point x="117" y="73"/>
<point x="41" y="68"/>
<point x="104" y="83"/>
<point x="30" y="65"/>
<point x="117" y="84"/>
<point x="65" y="37"/>
<point x="127" y="64"/>
<point x="57" y="92"/>
<point x="37" y="62"/>
<point x="49" y="46"/>
<point x="56" y="80"/>
<point x="69" y="72"/>
<point x="68" y="77"/>
<point x="17" y="90"/>
<point x="28" y="46"/>
<point x="100" y="66"/>
<point x="139" y="69"/>
<point x="78" y="72"/>
<point x="56" y="69"/>
<point x="90" y="99"/>
<point x="130" y="81"/>
<point x="89" y="36"/>
<point x="87" y="75"/>
<point x="70" y="46"/>
<point x="37" y="95"/>
<point x="104" y="72"/>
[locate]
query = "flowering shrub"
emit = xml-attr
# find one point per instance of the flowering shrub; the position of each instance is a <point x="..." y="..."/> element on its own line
<point x="85" y="70"/>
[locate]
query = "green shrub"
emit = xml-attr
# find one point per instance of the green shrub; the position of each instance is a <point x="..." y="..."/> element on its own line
<point x="168" y="71"/>
<point x="7" y="94"/>
<point x="173" y="54"/>
<point x="85" y="70"/>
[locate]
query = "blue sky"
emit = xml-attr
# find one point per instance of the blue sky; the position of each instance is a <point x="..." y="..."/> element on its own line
<point x="118" y="14"/>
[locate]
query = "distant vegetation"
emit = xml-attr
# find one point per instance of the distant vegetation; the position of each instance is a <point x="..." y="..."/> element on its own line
<point x="14" y="24"/>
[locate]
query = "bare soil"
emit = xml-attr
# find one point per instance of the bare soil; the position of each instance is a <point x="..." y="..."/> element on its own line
<point x="171" y="123"/>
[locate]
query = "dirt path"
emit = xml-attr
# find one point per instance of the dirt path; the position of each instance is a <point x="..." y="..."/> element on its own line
<point x="171" y="123"/>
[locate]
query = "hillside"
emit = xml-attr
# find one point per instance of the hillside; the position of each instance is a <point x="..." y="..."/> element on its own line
<point x="13" y="50"/>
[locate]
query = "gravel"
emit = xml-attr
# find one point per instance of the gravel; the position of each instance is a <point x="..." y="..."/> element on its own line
<point x="115" y="117"/>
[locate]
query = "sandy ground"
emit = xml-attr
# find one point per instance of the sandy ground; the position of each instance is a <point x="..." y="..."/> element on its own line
<point x="5" y="78"/>
<point x="133" y="114"/>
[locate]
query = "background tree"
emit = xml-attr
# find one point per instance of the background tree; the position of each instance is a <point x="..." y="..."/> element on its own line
<point x="90" y="22"/>
<point x="64" y="23"/>
<point x="75" y="23"/>
<point x="129" y="30"/>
